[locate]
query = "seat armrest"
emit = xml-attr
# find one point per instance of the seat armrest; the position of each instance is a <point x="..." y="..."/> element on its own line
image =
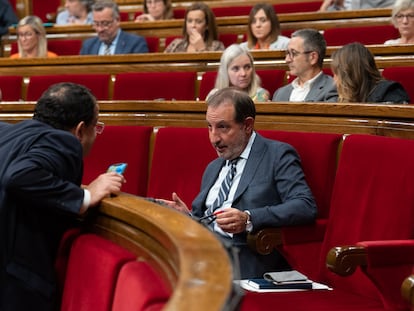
<point x="407" y="289"/>
<point x="343" y="260"/>
<point x="265" y="240"/>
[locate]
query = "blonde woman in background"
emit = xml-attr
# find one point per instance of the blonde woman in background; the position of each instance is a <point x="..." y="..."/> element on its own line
<point x="263" y="31"/>
<point x="156" y="10"/>
<point x="403" y="20"/>
<point x="237" y="70"/>
<point x="31" y="39"/>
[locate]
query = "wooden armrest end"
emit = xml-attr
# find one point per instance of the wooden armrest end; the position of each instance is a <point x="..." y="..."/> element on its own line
<point x="407" y="289"/>
<point x="345" y="259"/>
<point x="265" y="240"/>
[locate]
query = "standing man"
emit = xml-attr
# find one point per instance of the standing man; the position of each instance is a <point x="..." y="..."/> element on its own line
<point x="304" y="56"/>
<point x="254" y="183"/>
<point x="110" y="38"/>
<point x="40" y="195"/>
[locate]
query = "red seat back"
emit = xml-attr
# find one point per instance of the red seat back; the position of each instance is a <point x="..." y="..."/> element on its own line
<point x="174" y="168"/>
<point x="239" y="10"/>
<point x="272" y="79"/>
<point x="207" y="83"/>
<point x="153" y="44"/>
<point x="44" y="8"/>
<point x="11" y="87"/>
<point x="155" y="85"/>
<point x="139" y="287"/>
<point x="363" y="34"/>
<point x="372" y="196"/>
<point x="97" y="83"/>
<point x="92" y="272"/>
<point x="308" y="6"/>
<point x="404" y="75"/>
<point x="65" y="46"/>
<point x="130" y="144"/>
<point x="228" y="38"/>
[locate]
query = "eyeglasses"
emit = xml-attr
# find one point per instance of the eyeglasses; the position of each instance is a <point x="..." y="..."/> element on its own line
<point x="293" y="53"/>
<point x="102" y="24"/>
<point x="400" y="17"/>
<point x="28" y="34"/>
<point x="99" y="127"/>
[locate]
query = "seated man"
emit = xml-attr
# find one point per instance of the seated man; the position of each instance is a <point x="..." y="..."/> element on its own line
<point x="304" y="56"/>
<point x="110" y="38"/>
<point x="254" y="183"/>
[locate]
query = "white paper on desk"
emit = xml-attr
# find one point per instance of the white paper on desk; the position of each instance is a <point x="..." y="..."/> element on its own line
<point x="315" y="286"/>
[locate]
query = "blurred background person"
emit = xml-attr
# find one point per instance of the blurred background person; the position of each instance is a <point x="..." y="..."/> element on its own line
<point x="359" y="80"/>
<point x="338" y="5"/>
<point x="156" y="10"/>
<point x="7" y="17"/>
<point x="237" y="70"/>
<point x="200" y="31"/>
<point x="76" y="12"/>
<point x="111" y="39"/>
<point x="403" y="20"/>
<point x="263" y="31"/>
<point x="31" y="38"/>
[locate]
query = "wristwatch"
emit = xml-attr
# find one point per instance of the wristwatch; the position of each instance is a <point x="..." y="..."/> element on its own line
<point x="248" y="223"/>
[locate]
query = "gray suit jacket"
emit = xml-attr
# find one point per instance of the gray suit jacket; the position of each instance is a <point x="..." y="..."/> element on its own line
<point x="273" y="188"/>
<point x="323" y="90"/>
<point x="127" y="44"/>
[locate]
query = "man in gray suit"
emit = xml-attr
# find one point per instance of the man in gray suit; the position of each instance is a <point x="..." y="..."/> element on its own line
<point x="110" y="38"/>
<point x="304" y="56"/>
<point x="268" y="187"/>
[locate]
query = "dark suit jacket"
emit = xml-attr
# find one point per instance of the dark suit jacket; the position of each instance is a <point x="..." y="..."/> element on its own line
<point x="323" y="90"/>
<point x="128" y="43"/>
<point x="273" y="188"/>
<point x="40" y="174"/>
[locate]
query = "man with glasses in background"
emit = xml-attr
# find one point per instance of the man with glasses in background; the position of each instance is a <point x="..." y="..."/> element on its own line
<point x="110" y="38"/>
<point x="41" y="195"/>
<point x="304" y="56"/>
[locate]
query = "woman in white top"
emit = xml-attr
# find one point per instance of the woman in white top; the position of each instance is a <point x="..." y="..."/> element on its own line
<point x="76" y="12"/>
<point x="263" y="32"/>
<point x="403" y="20"/>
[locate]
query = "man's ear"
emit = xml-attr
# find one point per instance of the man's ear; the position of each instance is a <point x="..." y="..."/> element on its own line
<point x="79" y="130"/>
<point x="249" y="123"/>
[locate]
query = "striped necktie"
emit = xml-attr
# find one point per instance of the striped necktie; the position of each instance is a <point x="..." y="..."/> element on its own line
<point x="225" y="185"/>
<point x="107" y="50"/>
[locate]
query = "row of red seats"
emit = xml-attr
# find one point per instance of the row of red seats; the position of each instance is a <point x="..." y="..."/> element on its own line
<point x="365" y="192"/>
<point x="145" y="85"/>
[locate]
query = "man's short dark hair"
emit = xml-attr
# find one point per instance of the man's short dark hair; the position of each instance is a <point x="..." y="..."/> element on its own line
<point x="243" y="105"/>
<point x="313" y="40"/>
<point x="64" y="105"/>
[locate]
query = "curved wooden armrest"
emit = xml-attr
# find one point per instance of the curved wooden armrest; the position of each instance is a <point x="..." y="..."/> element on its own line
<point x="265" y="240"/>
<point x="345" y="259"/>
<point x="407" y="289"/>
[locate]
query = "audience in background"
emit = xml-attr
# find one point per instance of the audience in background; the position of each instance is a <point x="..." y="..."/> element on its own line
<point x="237" y="70"/>
<point x="403" y="20"/>
<point x="155" y="10"/>
<point x="338" y="5"/>
<point x="31" y="39"/>
<point x="110" y="38"/>
<point x="304" y="56"/>
<point x="360" y="81"/>
<point x="7" y="17"/>
<point x="76" y="12"/>
<point x="200" y="31"/>
<point x="263" y="31"/>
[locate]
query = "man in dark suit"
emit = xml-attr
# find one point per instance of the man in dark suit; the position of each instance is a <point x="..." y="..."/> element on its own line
<point x="110" y="38"/>
<point x="268" y="188"/>
<point x="304" y="56"/>
<point x="40" y="194"/>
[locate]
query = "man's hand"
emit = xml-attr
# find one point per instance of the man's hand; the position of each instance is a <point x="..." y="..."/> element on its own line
<point x="231" y="220"/>
<point x="105" y="185"/>
<point x="176" y="203"/>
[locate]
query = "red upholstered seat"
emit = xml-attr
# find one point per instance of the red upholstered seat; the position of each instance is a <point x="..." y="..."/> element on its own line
<point x="93" y="269"/>
<point x="139" y="287"/>
<point x="308" y="6"/>
<point x="176" y="169"/>
<point x="228" y="38"/>
<point x="272" y="79"/>
<point x="116" y="144"/>
<point x="65" y="46"/>
<point x="372" y="194"/>
<point x="207" y="83"/>
<point x="11" y="87"/>
<point x="153" y="44"/>
<point x="363" y="34"/>
<point x="239" y="10"/>
<point x="318" y="153"/>
<point x="155" y="85"/>
<point x="43" y="8"/>
<point x="404" y="75"/>
<point x="97" y="83"/>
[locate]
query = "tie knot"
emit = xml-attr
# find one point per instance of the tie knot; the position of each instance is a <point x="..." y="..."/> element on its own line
<point x="234" y="161"/>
